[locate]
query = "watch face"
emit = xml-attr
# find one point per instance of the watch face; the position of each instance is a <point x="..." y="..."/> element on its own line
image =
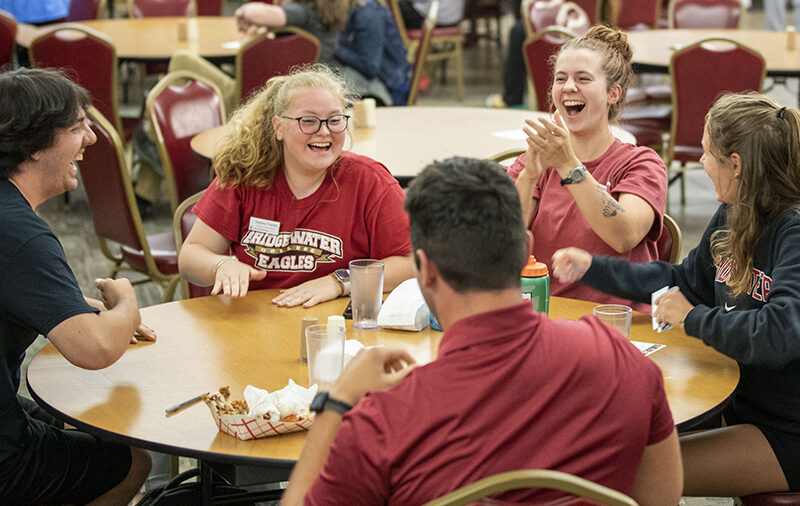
<point x="318" y="402"/>
<point x="342" y="274"/>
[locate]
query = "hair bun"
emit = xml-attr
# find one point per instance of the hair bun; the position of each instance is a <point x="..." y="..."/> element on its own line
<point x="614" y="37"/>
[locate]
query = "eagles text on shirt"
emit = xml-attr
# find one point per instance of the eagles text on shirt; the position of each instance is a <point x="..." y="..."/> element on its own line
<point x="298" y="250"/>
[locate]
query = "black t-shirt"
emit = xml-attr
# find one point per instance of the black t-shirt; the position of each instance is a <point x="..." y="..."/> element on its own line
<point x="38" y="291"/>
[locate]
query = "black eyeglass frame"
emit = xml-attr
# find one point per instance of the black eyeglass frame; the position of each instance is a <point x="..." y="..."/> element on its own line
<point x="320" y="121"/>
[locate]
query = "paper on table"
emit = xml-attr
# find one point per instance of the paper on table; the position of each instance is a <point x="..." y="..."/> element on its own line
<point x="234" y="44"/>
<point x="405" y="308"/>
<point x="653" y="297"/>
<point x="648" y="348"/>
<point x="351" y="348"/>
<point x="515" y="135"/>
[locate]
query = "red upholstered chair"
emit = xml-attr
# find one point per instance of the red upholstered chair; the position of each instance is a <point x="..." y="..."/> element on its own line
<point x="80" y="10"/>
<point x="90" y="59"/>
<point x="180" y="106"/>
<point x="726" y="66"/>
<point x="539" y="14"/>
<point x="182" y="223"/>
<point x="592" y="8"/>
<point x="538" y="52"/>
<point x="209" y="7"/>
<point x="8" y="33"/>
<point x="704" y="13"/>
<point x="273" y="54"/>
<point x="669" y="242"/>
<point x="116" y="218"/>
<point x="423" y="48"/>
<point x="161" y="8"/>
<point x="447" y="43"/>
<point x="638" y="14"/>
<point x="772" y="499"/>
<point x="572" y="17"/>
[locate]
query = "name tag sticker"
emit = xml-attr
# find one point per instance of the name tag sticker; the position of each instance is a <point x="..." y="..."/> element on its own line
<point x="266" y="226"/>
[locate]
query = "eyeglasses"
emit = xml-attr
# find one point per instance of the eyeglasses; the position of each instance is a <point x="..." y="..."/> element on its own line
<point x="311" y="124"/>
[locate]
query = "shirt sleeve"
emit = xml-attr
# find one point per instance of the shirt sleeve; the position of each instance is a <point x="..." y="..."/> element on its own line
<point x="661" y="422"/>
<point x="356" y="471"/>
<point x="45" y="292"/>
<point x="646" y="177"/>
<point x="297" y="14"/>
<point x="220" y="209"/>
<point x="387" y="222"/>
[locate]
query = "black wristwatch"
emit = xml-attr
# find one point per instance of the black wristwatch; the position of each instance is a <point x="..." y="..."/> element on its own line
<point x="324" y="402"/>
<point x="343" y="277"/>
<point x="576" y="175"/>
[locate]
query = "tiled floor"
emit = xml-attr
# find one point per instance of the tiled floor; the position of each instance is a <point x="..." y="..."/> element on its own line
<point x="72" y="222"/>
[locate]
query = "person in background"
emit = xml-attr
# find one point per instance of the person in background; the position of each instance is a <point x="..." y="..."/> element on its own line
<point x="578" y="184"/>
<point x="510" y="388"/>
<point x="371" y="54"/>
<point x="43" y="131"/>
<point x="293" y="207"/>
<point x="775" y="17"/>
<point x="451" y="12"/>
<point x="738" y="291"/>
<point x="37" y="13"/>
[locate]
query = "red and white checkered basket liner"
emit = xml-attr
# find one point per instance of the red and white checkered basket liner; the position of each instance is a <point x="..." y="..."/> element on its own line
<point x="246" y="427"/>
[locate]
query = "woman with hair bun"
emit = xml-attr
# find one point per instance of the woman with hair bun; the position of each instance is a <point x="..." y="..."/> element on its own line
<point x="291" y="205"/>
<point x="738" y="291"/>
<point x="578" y="184"/>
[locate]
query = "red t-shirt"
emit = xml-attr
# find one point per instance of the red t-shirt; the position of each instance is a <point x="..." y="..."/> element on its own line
<point x="357" y="212"/>
<point x="559" y="223"/>
<point x="510" y="390"/>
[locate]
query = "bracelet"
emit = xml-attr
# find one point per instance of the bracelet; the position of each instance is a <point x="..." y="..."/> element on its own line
<point x="222" y="261"/>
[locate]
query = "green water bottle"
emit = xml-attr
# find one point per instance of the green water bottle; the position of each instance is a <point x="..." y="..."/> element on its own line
<point x="536" y="285"/>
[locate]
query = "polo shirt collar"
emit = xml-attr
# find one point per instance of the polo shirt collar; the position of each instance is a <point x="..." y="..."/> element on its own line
<point x="498" y="325"/>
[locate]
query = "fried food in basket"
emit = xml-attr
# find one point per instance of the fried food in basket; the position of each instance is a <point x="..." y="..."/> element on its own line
<point x="219" y="401"/>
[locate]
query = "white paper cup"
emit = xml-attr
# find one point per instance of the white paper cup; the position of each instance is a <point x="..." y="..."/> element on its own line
<point x="615" y="315"/>
<point x="366" y="292"/>
<point x="325" y="347"/>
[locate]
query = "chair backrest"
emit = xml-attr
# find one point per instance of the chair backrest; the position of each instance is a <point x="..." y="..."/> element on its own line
<point x="182" y="222"/>
<point x="107" y="182"/>
<point x="209" y="7"/>
<point x="638" y="14"/>
<point x="88" y="58"/>
<point x="397" y="15"/>
<point x="539" y="14"/>
<point x="726" y="66"/>
<point x="273" y="54"/>
<point x="572" y="17"/>
<point x="180" y="106"/>
<point x="161" y="8"/>
<point x="80" y="10"/>
<point x="533" y="478"/>
<point x="8" y="35"/>
<point x="423" y="49"/>
<point x="592" y="9"/>
<point x="538" y="52"/>
<point x="704" y="13"/>
<point x="669" y="242"/>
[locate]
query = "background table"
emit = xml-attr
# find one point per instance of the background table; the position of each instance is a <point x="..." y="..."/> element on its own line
<point x="652" y="49"/>
<point x="209" y="342"/>
<point x="407" y="139"/>
<point x="157" y="38"/>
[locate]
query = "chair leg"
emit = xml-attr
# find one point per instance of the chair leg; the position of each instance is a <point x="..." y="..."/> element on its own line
<point x="683" y="187"/>
<point x="169" y="289"/>
<point x="460" y="70"/>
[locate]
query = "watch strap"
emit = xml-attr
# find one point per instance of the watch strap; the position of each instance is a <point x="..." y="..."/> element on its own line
<point x="579" y="175"/>
<point x="324" y="402"/>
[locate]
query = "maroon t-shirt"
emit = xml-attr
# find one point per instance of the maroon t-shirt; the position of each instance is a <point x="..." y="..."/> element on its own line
<point x="510" y="390"/>
<point x="559" y="223"/>
<point x="357" y="212"/>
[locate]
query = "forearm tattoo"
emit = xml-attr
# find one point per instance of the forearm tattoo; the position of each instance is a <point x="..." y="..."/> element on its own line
<point x="610" y="206"/>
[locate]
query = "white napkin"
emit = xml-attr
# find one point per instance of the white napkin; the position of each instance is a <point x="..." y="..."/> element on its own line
<point x="291" y="399"/>
<point x="351" y="349"/>
<point x="260" y="403"/>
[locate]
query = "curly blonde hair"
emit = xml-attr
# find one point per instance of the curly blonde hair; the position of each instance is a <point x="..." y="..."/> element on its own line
<point x="766" y="137"/>
<point x="615" y="54"/>
<point x="251" y="152"/>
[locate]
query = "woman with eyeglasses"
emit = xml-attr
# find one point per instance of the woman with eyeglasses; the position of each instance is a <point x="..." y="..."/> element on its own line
<point x="291" y="206"/>
<point x="739" y="291"/>
<point x="578" y="184"/>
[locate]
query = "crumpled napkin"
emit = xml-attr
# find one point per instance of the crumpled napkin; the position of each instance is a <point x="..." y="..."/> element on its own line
<point x="291" y="399"/>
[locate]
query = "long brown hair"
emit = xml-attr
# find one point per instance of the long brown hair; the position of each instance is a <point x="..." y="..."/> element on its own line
<point x="333" y="13"/>
<point x="251" y="152"/>
<point x="611" y="44"/>
<point x="766" y="137"/>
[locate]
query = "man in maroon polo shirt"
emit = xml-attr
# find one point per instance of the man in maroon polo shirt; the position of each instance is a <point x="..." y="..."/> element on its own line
<point x="511" y="389"/>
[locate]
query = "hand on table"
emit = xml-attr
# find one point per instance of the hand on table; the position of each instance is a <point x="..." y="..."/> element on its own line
<point x="551" y="140"/>
<point x="310" y="293"/>
<point x="570" y="264"/>
<point x="110" y="291"/>
<point x="233" y="277"/>
<point x="672" y="308"/>
<point x="372" y="369"/>
<point x="143" y="332"/>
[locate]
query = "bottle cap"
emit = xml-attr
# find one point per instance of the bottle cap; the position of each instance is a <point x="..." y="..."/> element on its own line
<point x="336" y="321"/>
<point x="534" y="268"/>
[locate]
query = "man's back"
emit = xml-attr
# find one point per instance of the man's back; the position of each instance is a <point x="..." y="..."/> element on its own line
<point x="510" y="390"/>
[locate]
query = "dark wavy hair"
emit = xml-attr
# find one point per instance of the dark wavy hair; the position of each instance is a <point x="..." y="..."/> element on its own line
<point x="465" y="215"/>
<point x="34" y="104"/>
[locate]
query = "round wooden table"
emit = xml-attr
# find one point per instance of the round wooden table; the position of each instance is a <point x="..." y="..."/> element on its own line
<point x="407" y="139"/>
<point x="209" y="342"/>
<point x="652" y="49"/>
<point x="158" y="38"/>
